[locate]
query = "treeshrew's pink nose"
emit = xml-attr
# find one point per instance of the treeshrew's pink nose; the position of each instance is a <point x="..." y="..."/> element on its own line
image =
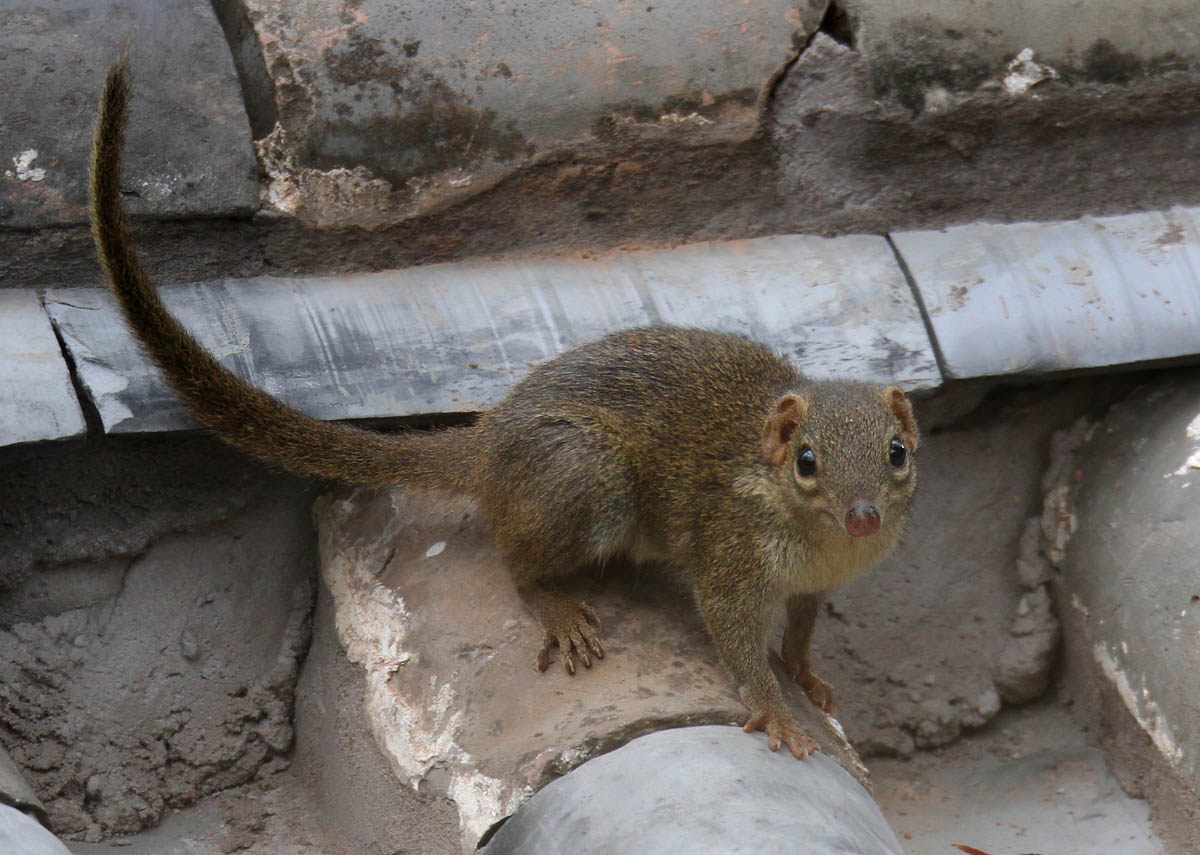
<point x="863" y="518"/>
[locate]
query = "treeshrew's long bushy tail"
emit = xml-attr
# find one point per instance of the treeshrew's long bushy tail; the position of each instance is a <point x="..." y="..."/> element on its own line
<point x="240" y="414"/>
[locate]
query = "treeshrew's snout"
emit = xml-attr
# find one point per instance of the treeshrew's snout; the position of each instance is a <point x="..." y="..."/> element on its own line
<point x="863" y="518"/>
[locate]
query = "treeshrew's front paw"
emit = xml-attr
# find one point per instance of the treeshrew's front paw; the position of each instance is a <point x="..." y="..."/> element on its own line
<point x="781" y="728"/>
<point x="819" y="692"/>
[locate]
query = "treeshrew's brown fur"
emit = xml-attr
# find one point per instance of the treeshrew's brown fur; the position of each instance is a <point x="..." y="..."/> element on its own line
<point x="678" y="445"/>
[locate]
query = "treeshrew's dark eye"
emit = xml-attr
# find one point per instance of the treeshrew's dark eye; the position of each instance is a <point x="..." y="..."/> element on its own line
<point x="897" y="453"/>
<point x="806" y="463"/>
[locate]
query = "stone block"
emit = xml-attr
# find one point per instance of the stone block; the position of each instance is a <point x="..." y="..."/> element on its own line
<point x="1129" y="587"/>
<point x="912" y="115"/>
<point x="189" y="151"/>
<point x="425" y="605"/>
<point x="37" y="401"/>
<point x="1033" y="298"/>
<point x="920" y="46"/>
<point x="410" y="107"/>
<point x="455" y="338"/>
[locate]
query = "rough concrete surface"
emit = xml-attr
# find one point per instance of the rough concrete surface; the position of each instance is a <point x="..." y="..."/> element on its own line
<point x="189" y="143"/>
<point x="1130" y="594"/>
<point x="162" y="670"/>
<point x="267" y="816"/>
<point x="427" y="608"/>
<point x="337" y="796"/>
<point x="649" y="796"/>
<point x="93" y="504"/>
<point x="1031" y="781"/>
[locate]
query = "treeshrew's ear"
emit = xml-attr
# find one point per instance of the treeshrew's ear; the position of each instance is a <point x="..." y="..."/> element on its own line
<point x="787" y="415"/>
<point x="902" y="410"/>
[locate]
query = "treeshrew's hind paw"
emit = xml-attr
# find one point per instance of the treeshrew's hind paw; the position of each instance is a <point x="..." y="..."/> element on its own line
<point x="572" y="627"/>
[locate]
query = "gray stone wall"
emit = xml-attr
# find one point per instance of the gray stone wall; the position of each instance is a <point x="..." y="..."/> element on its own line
<point x="386" y="137"/>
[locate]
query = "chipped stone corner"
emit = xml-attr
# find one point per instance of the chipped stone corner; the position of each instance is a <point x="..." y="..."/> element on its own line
<point x="482" y="802"/>
<point x="356" y="198"/>
<point x="320" y="199"/>
<point x="1058" y="521"/>
<point x="1191" y="464"/>
<point x="1023" y="73"/>
<point x="1023" y="669"/>
<point x="23" y="168"/>
<point x="1145" y="711"/>
<point x="415" y="735"/>
<point x="850" y="761"/>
